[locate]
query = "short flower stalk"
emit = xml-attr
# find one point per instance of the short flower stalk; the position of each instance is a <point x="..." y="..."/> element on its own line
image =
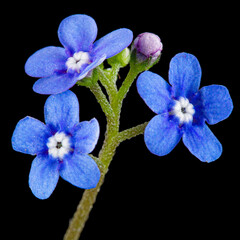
<point x="63" y="144"/>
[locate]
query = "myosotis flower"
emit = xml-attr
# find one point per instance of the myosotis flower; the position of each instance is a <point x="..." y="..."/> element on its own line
<point x="61" y="146"/>
<point x="183" y="110"/>
<point x="60" y="68"/>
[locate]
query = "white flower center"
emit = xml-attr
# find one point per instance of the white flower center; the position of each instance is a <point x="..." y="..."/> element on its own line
<point x="78" y="60"/>
<point x="59" y="145"/>
<point x="184" y="110"/>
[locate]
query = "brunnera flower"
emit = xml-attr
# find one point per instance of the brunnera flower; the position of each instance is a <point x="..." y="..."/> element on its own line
<point x="60" y="68"/>
<point x="61" y="146"/>
<point x="183" y="110"/>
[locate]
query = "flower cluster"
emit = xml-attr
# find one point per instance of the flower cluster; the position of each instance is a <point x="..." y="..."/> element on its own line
<point x="62" y="145"/>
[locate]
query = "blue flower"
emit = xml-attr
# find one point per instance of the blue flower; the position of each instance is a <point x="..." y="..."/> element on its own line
<point x="183" y="110"/>
<point x="60" y="68"/>
<point x="61" y="146"/>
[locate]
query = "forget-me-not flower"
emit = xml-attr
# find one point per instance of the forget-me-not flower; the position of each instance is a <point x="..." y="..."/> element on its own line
<point x="183" y="110"/>
<point x="60" y="68"/>
<point x="61" y="146"/>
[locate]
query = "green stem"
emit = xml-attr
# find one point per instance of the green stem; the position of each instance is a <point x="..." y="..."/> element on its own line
<point x="109" y="85"/>
<point x="83" y="210"/>
<point x="114" y="73"/>
<point x="117" y="104"/>
<point x="102" y="100"/>
<point x="105" y="156"/>
<point x="89" y="196"/>
<point x="133" y="73"/>
<point x="112" y="140"/>
<point x="132" y="132"/>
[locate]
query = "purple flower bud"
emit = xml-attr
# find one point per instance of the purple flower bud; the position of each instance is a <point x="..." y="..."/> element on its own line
<point x="148" y="45"/>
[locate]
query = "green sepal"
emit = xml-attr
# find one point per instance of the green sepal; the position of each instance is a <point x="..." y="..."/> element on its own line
<point x="141" y="64"/>
<point x="90" y="80"/>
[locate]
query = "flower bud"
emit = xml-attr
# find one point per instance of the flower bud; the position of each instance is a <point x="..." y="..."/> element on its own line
<point x="147" y="46"/>
<point x="123" y="58"/>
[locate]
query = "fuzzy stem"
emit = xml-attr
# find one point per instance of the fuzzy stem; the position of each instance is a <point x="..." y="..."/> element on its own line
<point x="109" y="85"/>
<point x="113" y="138"/>
<point x="122" y="93"/>
<point x="89" y="196"/>
<point x="105" y="156"/>
<point x="126" y="85"/>
<point x="83" y="210"/>
<point x="132" y="132"/>
<point x="102" y="100"/>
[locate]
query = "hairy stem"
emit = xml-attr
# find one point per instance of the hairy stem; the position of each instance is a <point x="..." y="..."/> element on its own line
<point x="103" y="102"/>
<point x="105" y="156"/>
<point x="132" y="132"/>
<point x="89" y="196"/>
<point x="112" y="140"/>
<point x="122" y="93"/>
<point x="126" y="85"/>
<point x="83" y="210"/>
<point x="109" y="85"/>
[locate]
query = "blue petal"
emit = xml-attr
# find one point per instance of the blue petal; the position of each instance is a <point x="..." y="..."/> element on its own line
<point x="113" y="43"/>
<point x="57" y="83"/>
<point x="77" y="33"/>
<point x="46" y="61"/>
<point x="155" y="91"/>
<point x="85" y="136"/>
<point x="81" y="171"/>
<point x="216" y="102"/>
<point x="62" y="111"/>
<point x="202" y="143"/>
<point x="30" y="136"/>
<point x="185" y="75"/>
<point x="161" y="135"/>
<point x="43" y="177"/>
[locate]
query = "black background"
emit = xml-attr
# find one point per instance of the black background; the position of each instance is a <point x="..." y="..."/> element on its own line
<point x="143" y="195"/>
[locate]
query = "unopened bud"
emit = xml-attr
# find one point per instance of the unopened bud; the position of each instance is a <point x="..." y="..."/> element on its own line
<point x="147" y="45"/>
<point x="123" y="58"/>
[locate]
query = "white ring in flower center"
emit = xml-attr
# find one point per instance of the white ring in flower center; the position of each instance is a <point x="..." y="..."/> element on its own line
<point x="184" y="110"/>
<point x="78" y="60"/>
<point x="59" y="145"/>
